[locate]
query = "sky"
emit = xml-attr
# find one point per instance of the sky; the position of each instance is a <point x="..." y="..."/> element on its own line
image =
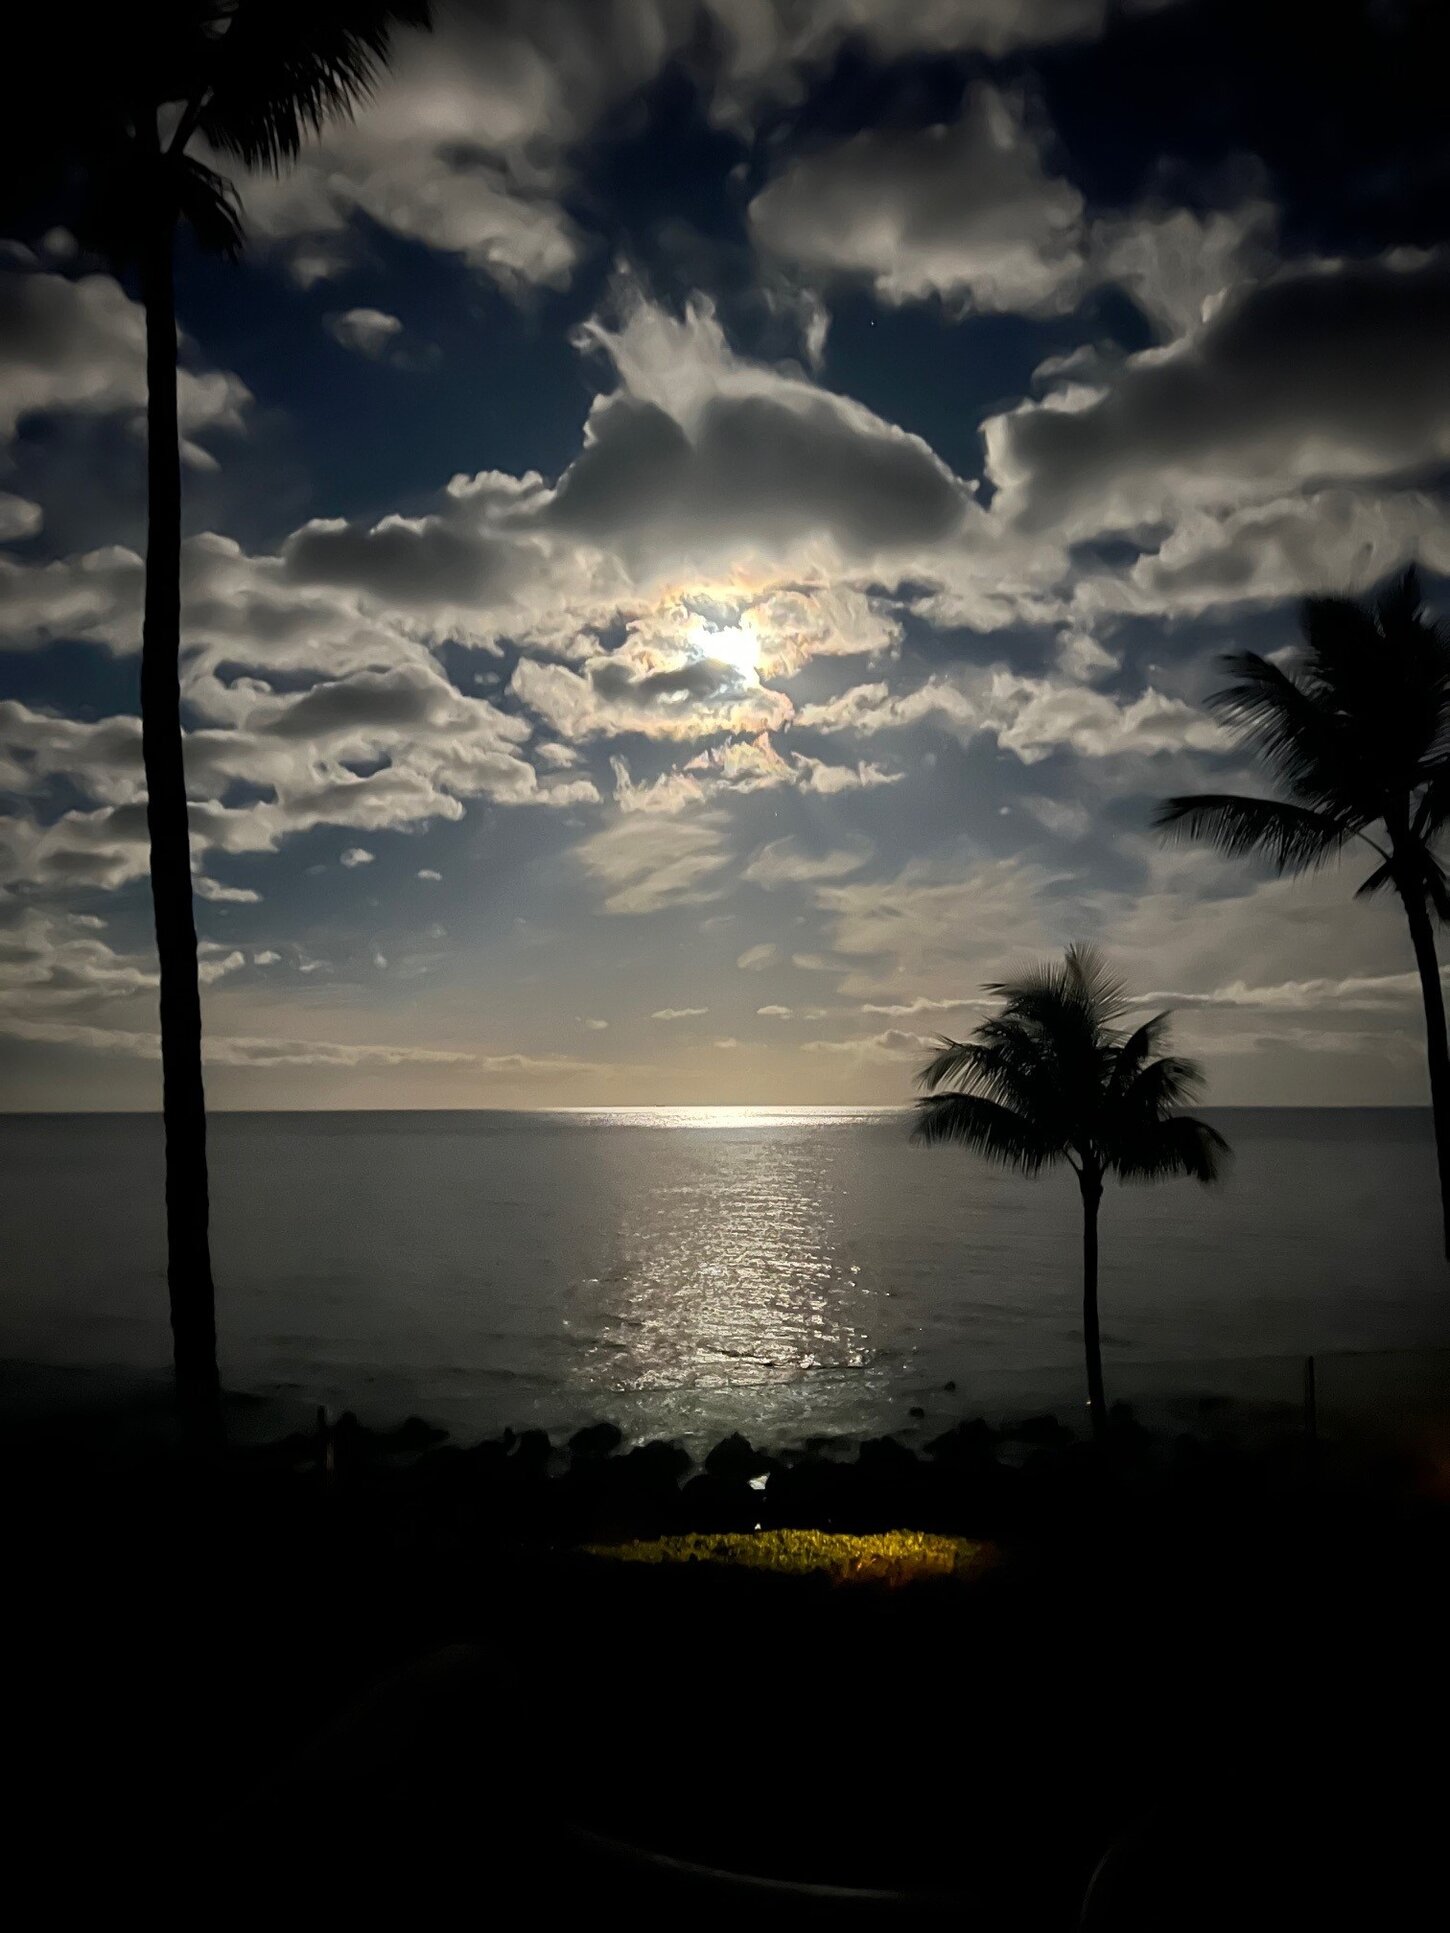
<point x="709" y="528"/>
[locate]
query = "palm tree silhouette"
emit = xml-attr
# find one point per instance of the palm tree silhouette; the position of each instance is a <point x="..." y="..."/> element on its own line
<point x="1358" y="736"/>
<point x="1052" y="1077"/>
<point x="252" y="78"/>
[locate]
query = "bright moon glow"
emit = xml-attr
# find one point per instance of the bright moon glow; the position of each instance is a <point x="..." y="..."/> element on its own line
<point x="737" y="645"/>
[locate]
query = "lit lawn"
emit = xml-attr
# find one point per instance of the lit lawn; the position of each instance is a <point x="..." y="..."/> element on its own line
<point x="887" y="1557"/>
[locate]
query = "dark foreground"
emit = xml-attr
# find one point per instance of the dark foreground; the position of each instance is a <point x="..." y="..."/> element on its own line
<point x="400" y="1684"/>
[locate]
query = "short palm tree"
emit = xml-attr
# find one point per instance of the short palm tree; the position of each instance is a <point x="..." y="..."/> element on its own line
<point x="251" y="78"/>
<point x="1357" y="734"/>
<point x="1052" y="1076"/>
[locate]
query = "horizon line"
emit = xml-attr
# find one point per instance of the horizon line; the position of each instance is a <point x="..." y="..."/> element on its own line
<point x="692" y="1107"/>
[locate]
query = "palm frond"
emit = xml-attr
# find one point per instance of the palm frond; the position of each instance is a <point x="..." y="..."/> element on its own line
<point x="1081" y="983"/>
<point x="1415" y="868"/>
<point x="1377" y="881"/>
<point x="282" y="69"/>
<point x="1401" y="605"/>
<point x="1341" y="637"/>
<point x="1003" y="1063"/>
<point x="988" y="1129"/>
<point x="1294" y="838"/>
<point x="1137" y="1048"/>
<point x="207" y="203"/>
<point x="1384" y="669"/>
<point x="139" y="190"/>
<point x="957" y="1058"/>
<point x="1181" y="1145"/>
<point x="1296" y="734"/>
<point x="1433" y="811"/>
<point x="1049" y="1079"/>
<point x="1101" y="990"/>
<point x="1156" y="1089"/>
<point x="1063" y="1014"/>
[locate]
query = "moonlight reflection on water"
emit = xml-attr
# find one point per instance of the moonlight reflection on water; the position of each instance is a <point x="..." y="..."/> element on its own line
<point x="785" y="1272"/>
<point x="738" y="1274"/>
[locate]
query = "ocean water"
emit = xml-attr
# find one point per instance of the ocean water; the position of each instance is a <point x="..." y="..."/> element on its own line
<point x="787" y="1272"/>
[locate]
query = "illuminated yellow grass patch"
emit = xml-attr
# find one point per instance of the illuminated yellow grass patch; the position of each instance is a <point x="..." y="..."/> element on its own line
<point x="888" y="1557"/>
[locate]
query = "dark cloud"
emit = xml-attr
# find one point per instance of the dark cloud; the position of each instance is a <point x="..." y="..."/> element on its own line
<point x="699" y="678"/>
<point x="760" y="467"/>
<point x="401" y="560"/>
<point x="392" y="701"/>
<point x="1326" y="372"/>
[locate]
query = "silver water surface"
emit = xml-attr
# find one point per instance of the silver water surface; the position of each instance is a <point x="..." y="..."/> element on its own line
<point x="692" y="1271"/>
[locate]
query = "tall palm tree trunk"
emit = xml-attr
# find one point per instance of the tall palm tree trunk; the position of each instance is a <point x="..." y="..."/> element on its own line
<point x="1092" y="1194"/>
<point x="1437" y="1051"/>
<point x="188" y="1257"/>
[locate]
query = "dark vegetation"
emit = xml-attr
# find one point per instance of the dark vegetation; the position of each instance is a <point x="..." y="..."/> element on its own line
<point x="1355" y="733"/>
<point x="411" y="1678"/>
<point x="1053" y="1076"/>
<point x="253" y="79"/>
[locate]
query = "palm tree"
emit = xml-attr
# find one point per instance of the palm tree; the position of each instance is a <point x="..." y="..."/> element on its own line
<point x="252" y="78"/>
<point x="1357" y="734"/>
<point x="1052" y="1077"/>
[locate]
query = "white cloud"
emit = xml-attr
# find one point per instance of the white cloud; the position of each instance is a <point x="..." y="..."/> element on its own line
<point x="431" y="748"/>
<point x="51" y="961"/>
<point x="81" y="346"/>
<point x="1345" y="539"/>
<point x="213" y="890"/>
<point x="357" y="856"/>
<point x="691" y="699"/>
<point x="221" y="1050"/>
<point x="645" y="863"/>
<point x="787" y="862"/>
<point x="1031" y="717"/>
<point x="369" y="332"/>
<point x="18" y="518"/>
<point x="764" y="954"/>
<point x="892" y="1045"/>
<point x="968" y="212"/>
<point x="1178" y="264"/>
<point x="712" y="455"/>
<point x="767" y="46"/>
<point x="216" y="962"/>
<point x="1332" y="371"/>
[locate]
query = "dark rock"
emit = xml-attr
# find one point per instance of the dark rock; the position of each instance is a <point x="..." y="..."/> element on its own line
<point x="883" y="1456"/>
<point x="1043" y="1431"/>
<point x="531" y="1456"/>
<point x="414" y="1434"/>
<point x="655" y="1465"/>
<point x="717" y="1503"/>
<point x="734" y="1460"/>
<point x="964" y="1445"/>
<point x="596" y="1440"/>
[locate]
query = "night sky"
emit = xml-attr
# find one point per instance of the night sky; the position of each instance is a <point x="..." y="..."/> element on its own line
<point x="710" y="523"/>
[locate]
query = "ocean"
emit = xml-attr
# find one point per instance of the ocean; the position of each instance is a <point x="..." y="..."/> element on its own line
<point x="686" y="1272"/>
